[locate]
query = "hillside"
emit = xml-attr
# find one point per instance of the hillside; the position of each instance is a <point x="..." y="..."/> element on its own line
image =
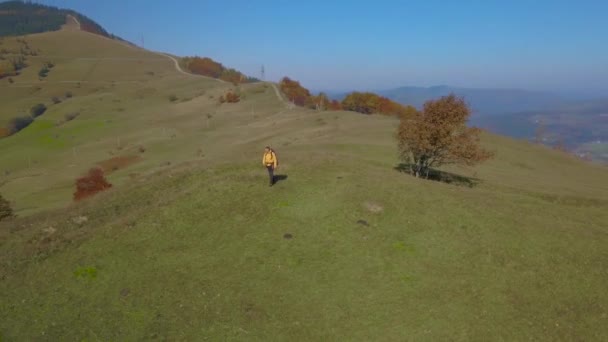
<point x="190" y="243"/>
<point x="20" y="18"/>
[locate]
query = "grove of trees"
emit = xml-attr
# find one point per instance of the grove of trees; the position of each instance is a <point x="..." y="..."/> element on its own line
<point x="370" y="103"/>
<point x="208" y="67"/>
<point x="365" y="103"/>
<point x="438" y="135"/>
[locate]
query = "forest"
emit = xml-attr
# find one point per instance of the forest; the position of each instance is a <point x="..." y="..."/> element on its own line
<point x="20" y="18"/>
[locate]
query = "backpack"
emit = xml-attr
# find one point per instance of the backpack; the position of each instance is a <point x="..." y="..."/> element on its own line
<point x="276" y="158"/>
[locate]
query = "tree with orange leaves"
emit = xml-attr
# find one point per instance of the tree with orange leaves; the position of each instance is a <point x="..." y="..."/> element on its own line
<point x="438" y="135"/>
<point x="294" y="91"/>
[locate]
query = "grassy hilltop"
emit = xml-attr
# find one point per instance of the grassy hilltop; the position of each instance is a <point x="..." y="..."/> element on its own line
<point x="191" y="244"/>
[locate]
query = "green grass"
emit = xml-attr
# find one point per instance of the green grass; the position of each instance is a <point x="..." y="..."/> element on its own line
<point x="202" y="254"/>
<point x="197" y="249"/>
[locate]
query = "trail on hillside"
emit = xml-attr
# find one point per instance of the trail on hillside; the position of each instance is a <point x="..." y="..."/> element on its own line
<point x="175" y="61"/>
<point x="75" y="20"/>
<point x="281" y="99"/>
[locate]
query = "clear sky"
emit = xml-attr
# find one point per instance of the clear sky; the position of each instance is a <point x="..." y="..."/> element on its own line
<point x="345" y="45"/>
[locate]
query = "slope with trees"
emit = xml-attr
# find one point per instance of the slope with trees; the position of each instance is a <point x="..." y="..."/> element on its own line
<point x="370" y="103"/>
<point x="365" y="103"/>
<point x="208" y="67"/>
<point x="21" y="18"/>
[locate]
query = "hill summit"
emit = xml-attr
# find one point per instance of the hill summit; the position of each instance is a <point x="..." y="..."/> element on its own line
<point x="21" y="18"/>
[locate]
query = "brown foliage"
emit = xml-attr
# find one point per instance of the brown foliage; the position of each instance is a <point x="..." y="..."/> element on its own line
<point x="91" y="184"/>
<point x="295" y="93"/>
<point x="438" y="135"/>
<point x="4" y="132"/>
<point x="334" y="105"/>
<point x="208" y="67"/>
<point x="205" y="66"/>
<point x="230" y="97"/>
<point x="370" y="103"/>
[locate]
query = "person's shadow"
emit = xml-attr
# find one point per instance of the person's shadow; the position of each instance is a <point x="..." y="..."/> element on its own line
<point x="279" y="178"/>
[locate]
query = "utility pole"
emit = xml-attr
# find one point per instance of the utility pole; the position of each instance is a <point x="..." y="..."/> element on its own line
<point x="263" y="73"/>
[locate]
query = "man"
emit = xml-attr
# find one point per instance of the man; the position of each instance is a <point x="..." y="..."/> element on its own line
<point x="271" y="162"/>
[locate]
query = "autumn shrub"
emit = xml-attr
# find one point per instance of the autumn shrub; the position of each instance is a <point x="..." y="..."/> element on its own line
<point x="230" y="97"/>
<point x="37" y="110"/>
<point x="90" y="184"/>
<point x="56" y="100"/>
<point x="295" y="92"/>
<point x="6" y="211"/>
<point x="68" y="94"/>
<point x="334" y="105"/>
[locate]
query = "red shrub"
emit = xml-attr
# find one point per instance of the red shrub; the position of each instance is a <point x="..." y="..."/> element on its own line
<point x="91" y="184"/>
<point x="335" y="105"/>
<point x="4" y="132"/>
<point x="230" y="97"/>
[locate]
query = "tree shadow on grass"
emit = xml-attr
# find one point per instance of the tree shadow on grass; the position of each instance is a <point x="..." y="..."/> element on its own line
<point x="443" y="176"/>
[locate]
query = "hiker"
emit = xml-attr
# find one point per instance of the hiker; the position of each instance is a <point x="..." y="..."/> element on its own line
<point x="271" y="162"/>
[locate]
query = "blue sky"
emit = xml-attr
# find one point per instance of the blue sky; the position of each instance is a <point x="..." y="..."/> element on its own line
<point x="345" y="45"/>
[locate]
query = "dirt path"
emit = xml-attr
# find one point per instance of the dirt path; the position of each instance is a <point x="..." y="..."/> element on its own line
<point x="76" y="21"/>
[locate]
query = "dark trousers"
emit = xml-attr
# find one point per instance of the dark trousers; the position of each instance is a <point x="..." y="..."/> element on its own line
<point x="270" y="169"/>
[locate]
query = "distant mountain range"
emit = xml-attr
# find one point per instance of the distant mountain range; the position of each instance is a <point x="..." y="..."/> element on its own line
<point x="484" y="101"/>
<point x="575" y="122"/>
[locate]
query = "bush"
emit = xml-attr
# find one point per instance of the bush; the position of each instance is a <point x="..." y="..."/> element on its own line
<point x="91" y="184"/>
<point x="295" y="93"/>
<point x="19" y="123"/>
<point x="68" y="94"/>
<point x="230" y="97"/>
<point x="173" y="98"/>
<point x="38" y="110"/>
<point x="44" y="71"/>
<point x="71" y="116"/>
<point x="5" y="209"/>
<point x="56" y="100"/>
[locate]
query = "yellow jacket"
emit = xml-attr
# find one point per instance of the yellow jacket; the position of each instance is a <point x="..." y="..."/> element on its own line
<point x="270" y="158"/>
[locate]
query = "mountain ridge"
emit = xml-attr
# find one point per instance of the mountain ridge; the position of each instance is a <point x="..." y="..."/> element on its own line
<point x="22" y="18"/>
